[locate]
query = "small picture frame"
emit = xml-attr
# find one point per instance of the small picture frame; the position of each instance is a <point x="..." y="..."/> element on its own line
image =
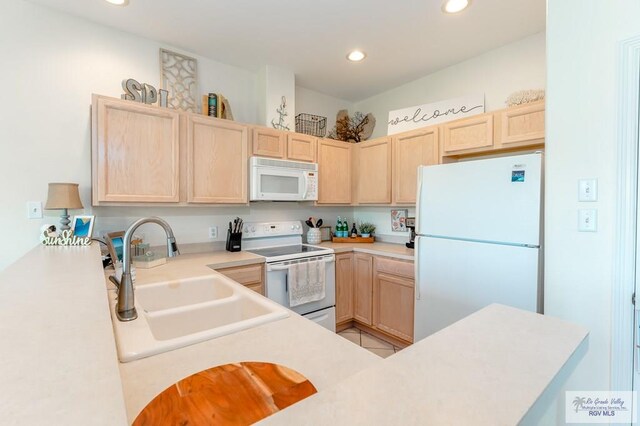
<point x="325" y="233"/>
<point x="399" y="220"/>
<point x="82" y="226"/>
<point x="115" y="243"/>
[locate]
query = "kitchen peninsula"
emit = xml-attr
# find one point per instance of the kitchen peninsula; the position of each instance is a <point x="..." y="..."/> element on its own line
<point x="74" y="375"/>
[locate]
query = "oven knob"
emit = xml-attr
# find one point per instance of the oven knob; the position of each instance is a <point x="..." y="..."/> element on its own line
<point x="297" y="227"/>
<point x="292" y="227"/>
<point x="253" y="229"/>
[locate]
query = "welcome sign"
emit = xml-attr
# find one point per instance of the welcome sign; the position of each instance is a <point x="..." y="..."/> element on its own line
<point x="415" y="117"/>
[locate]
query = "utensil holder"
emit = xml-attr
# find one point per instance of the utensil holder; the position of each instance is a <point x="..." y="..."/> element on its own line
<point x="314" y="236"/>
<point x="234" y="241"/>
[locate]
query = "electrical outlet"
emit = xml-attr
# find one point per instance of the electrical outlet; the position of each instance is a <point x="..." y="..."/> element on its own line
<point x="213" y="232"/>
<point x="34" y="210"/>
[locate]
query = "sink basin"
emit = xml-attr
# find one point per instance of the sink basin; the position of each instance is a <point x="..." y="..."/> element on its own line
<point x="173" y="294"/>
<point x="175" y="314"/>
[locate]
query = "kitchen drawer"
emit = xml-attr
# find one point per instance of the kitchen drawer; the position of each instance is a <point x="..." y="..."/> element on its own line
<point x="246" y="275"/>
<point x="394" y="267"/>
<point x="258" y="288"/>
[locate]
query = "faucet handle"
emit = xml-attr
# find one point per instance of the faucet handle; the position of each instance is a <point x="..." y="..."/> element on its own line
<point x="115" y="281"/>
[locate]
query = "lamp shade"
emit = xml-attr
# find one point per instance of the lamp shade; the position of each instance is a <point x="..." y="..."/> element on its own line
<point x="63" y="196"/>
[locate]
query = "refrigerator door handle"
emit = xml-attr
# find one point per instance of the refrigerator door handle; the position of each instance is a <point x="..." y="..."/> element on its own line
<point x="416" y="269"/>
<point x="418" y="201"/>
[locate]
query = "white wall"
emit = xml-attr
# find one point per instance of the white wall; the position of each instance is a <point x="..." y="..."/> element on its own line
<point x="582" y="42"/>
<point x="497" y="74"/>
<point x="52" y="63"/>
<point x="273" y="84"/>
<point x="312" y="102"/>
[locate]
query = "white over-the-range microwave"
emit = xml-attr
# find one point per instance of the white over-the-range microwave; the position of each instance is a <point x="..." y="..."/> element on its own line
<point x="282" y="180"/>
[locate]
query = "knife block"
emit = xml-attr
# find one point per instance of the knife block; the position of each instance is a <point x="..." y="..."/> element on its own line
<point x="234" y="241"/>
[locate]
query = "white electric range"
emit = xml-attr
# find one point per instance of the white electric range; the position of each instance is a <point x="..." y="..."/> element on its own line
<point x="281" y="245"/>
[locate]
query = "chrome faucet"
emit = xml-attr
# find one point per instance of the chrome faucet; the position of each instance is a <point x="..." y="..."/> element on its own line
<point x="126" y="310"/>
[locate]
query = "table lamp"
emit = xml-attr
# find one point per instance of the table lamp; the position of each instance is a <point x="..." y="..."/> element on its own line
<point x="63" y="196"/>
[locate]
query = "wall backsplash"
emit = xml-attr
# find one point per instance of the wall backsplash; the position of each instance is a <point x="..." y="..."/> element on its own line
<point x="381" y="217"/>
<point x="191" y="224"/>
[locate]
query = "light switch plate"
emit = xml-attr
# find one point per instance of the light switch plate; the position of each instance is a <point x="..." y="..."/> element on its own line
<point x="588" y="190"/>
<point x="587" y="220"/>
<point x="34" y="210"/>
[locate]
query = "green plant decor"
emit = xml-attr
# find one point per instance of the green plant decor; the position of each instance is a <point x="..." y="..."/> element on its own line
<point x="367" y="228"/>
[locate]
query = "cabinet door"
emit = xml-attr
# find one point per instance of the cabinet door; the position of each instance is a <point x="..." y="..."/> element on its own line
<point x="393" y="305"/>
<point x="301" y="147"/>
<point x="268" y="142"/>
<point x="216" y="161"/>
<point x="344" y="287"/>
<point x="374" y="171"/>
<point x="468" y="134"/>
<point x="135" y="152"/>
<point x="334" y="169"/>
<point x="410" y="150"/>
<point x="363" y="286"/>
<point x="522" y="124"/>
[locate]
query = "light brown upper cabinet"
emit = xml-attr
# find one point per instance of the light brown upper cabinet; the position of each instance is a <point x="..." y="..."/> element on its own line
<point x="468" y="134"/>
<point x="373" y="168"/>
<point x="410" y="150"/>
<point x="520" y="125"/>
<point x="363" y="288"/>
<point x="136" y="152"/>
<point x="217" y="154"/>
<point x="344" y="287"/>
<point x="268" y="142"/>
<point x="301" y="147"/>
<point x="334" y="169"/>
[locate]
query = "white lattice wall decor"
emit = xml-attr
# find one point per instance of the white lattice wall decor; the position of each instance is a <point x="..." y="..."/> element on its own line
<point x="179" y="75"/>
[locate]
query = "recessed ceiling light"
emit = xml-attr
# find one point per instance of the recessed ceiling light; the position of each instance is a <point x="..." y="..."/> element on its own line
<point x="118" y="2"/>
<point x="356" y="56"/>
<point x="455" y="6"/>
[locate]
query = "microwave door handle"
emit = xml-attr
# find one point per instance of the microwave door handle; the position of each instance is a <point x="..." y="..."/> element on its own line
<point x="306" y="186"/>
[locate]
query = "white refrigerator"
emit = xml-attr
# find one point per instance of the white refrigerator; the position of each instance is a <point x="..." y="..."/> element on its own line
<point x="478" y="239"/>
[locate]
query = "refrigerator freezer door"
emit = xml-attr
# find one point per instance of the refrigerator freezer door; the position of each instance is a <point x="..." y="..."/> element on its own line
<point x="456" y="278"/>
<point x="496" y="199"/>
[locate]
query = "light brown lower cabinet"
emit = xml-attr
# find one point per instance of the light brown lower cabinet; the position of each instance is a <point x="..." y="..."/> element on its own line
<point x="344" y="287"/>
<point x="362" y="283"/>
<point x="393" y="305"/>
<point x="250" y="276"/>
<point x="376" y="291"/>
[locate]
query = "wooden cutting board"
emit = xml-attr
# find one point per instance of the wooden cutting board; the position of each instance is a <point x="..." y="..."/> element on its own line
<point x="230" y="394"/>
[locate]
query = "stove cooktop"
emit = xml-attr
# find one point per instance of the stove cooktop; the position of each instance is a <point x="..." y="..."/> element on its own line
<point x="285" y="250"/>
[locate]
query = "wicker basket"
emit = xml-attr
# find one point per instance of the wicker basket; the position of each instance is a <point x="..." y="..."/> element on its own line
<point x="310" y="124"/>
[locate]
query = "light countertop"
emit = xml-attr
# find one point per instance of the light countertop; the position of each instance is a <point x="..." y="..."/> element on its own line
<point x="398" y="251"/>
<point x="295" y="342"/>
<point x="191" y="265"/>
<point x="487" y="369"/>
<point x="59" y="362"/>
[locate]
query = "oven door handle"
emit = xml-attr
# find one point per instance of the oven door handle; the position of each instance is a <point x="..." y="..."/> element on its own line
<point x="328" y="259"/>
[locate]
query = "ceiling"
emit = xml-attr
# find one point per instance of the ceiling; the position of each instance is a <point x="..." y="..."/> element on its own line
<point x="403" y="39"/>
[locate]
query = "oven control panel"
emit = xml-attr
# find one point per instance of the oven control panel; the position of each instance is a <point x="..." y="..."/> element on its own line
<point x="271" y="229"/>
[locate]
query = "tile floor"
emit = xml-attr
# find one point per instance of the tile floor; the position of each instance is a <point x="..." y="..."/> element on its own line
<point x="369" y="342"/>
